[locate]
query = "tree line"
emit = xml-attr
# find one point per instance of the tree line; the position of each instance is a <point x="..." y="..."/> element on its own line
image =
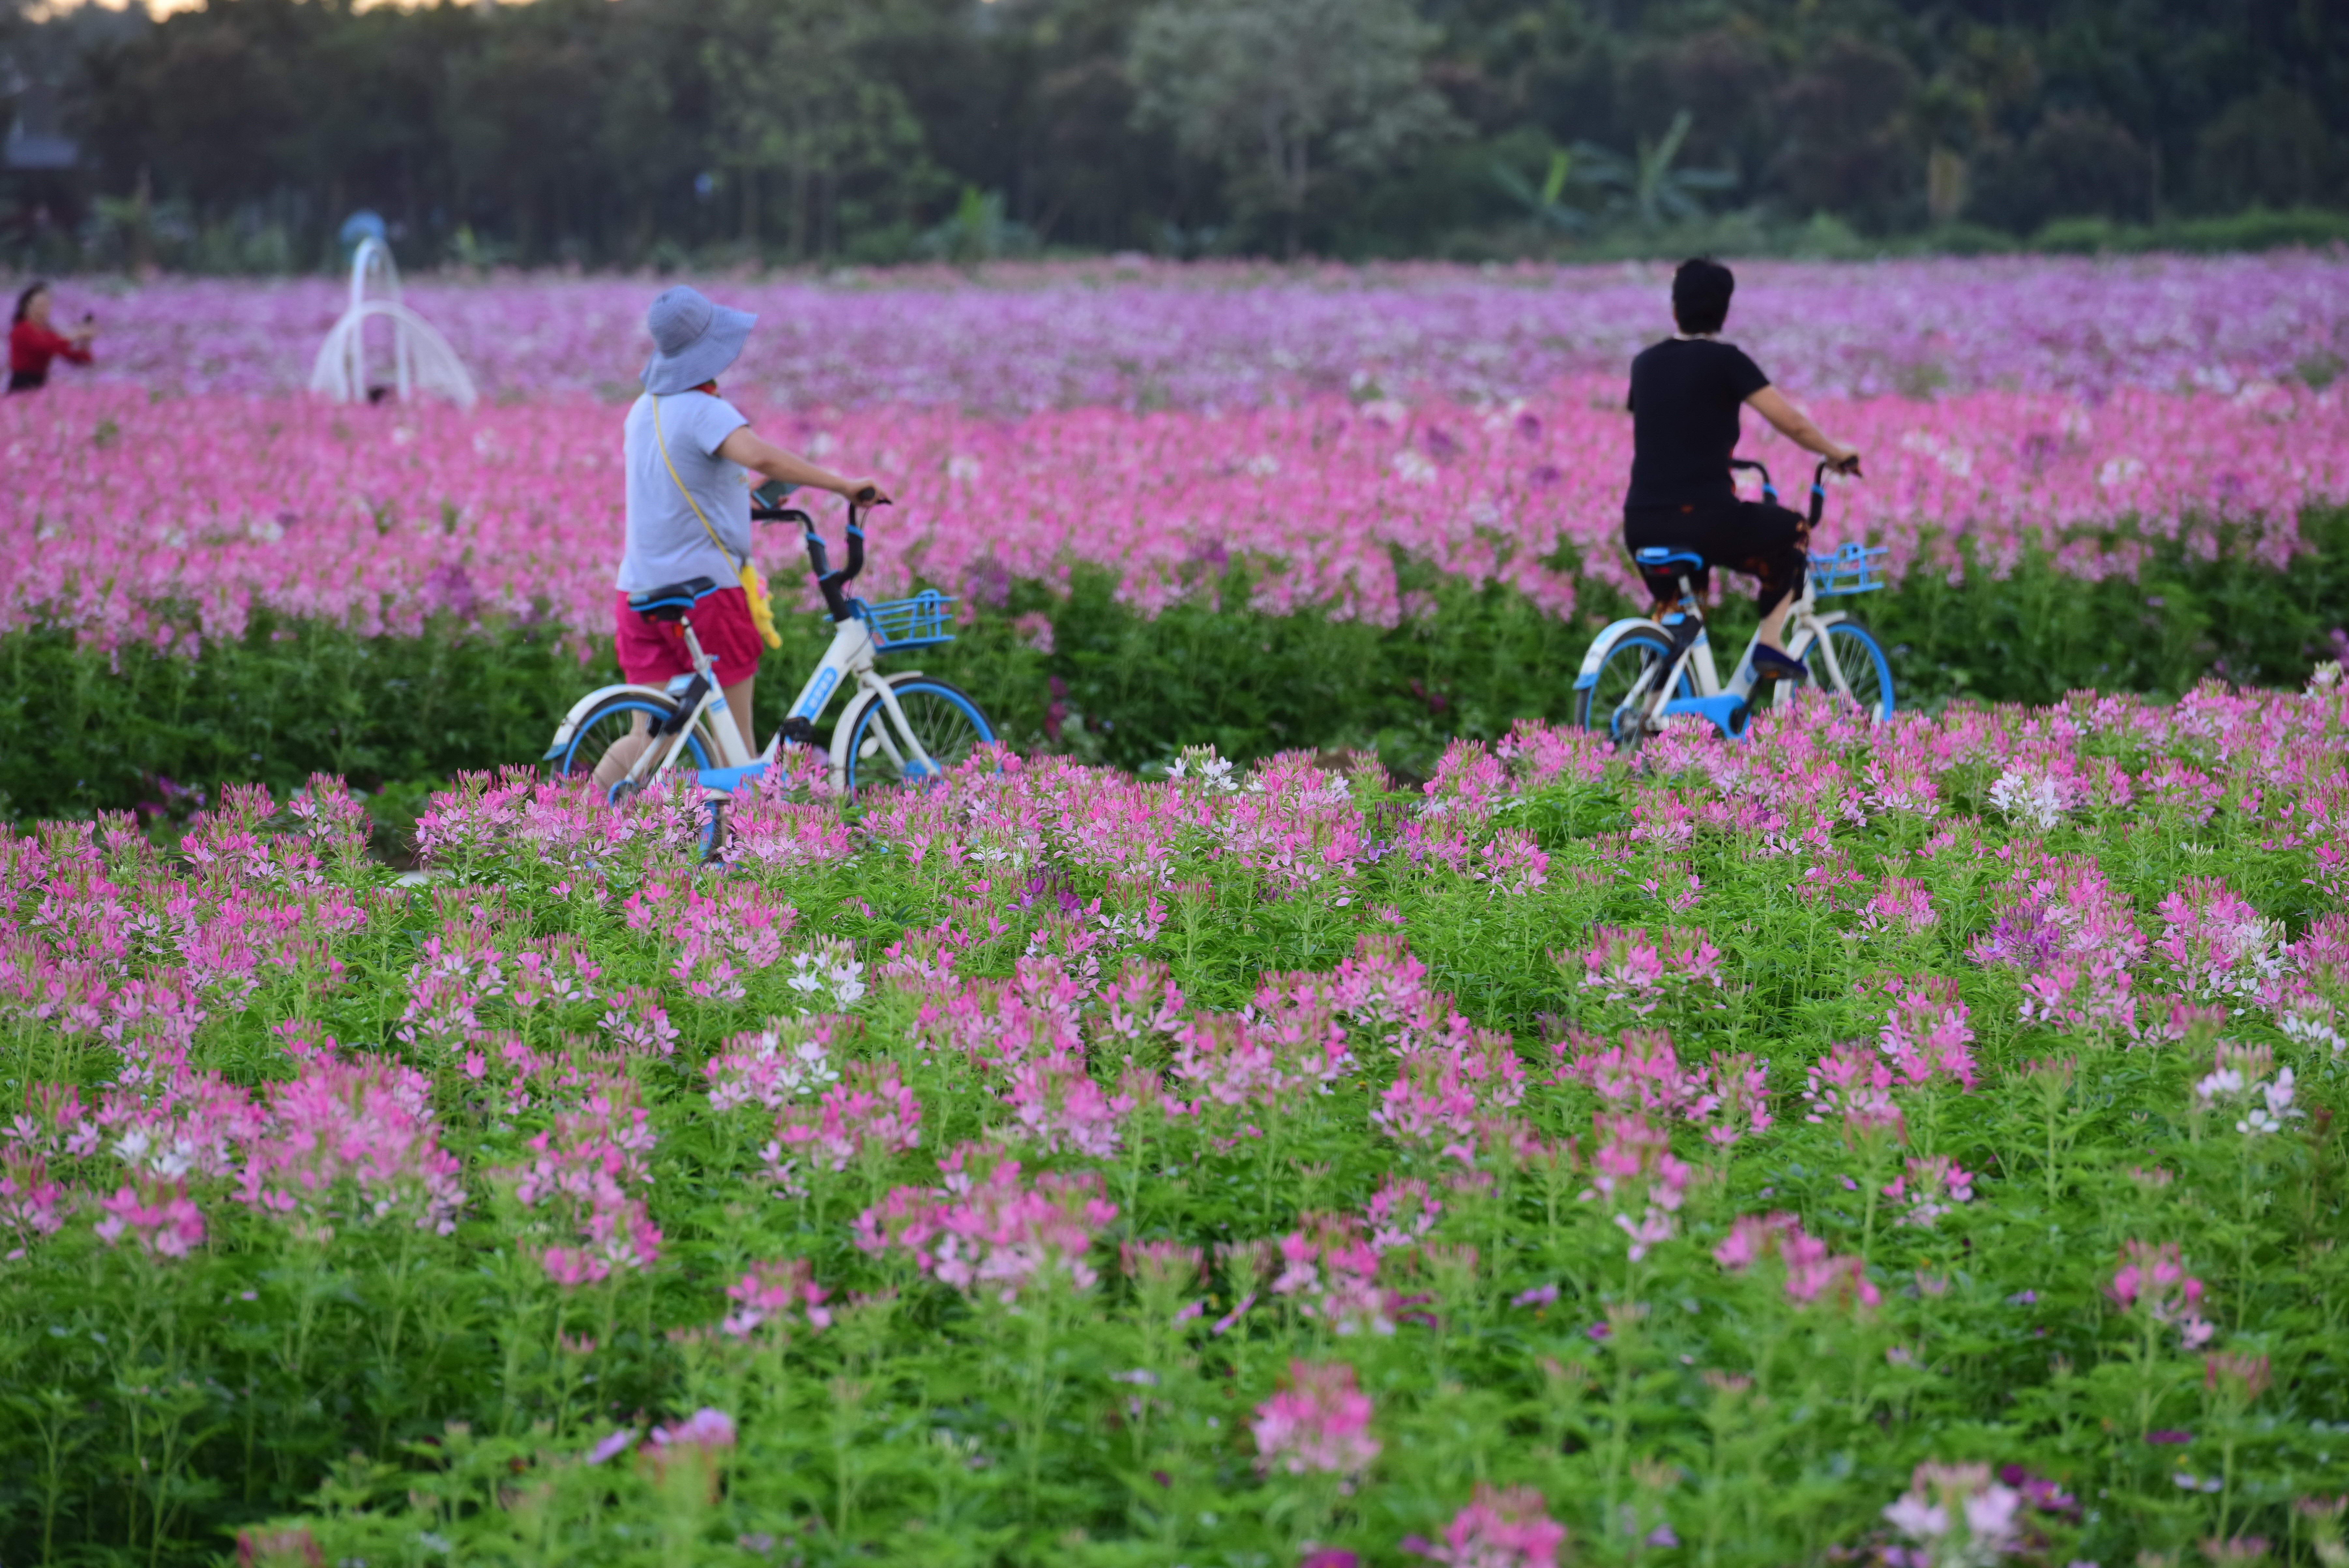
<point x="239" y="135"/>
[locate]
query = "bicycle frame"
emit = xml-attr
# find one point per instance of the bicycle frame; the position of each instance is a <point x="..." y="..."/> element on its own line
<point x="850" y="658"/>
<point x="1725" y="705"/>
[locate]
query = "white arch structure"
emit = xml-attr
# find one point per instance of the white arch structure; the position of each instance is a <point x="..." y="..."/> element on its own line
<point x="421" y="359"/>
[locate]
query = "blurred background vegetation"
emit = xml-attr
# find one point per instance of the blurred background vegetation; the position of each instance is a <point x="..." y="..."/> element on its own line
<point x="138" y="729"/>
<point x="234" y="137"/>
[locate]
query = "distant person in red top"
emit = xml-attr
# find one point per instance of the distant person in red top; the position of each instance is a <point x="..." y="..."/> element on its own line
<point x="33" y="342"/>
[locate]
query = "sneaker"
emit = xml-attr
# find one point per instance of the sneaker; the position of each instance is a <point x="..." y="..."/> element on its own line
<point x="1770" y="664"/>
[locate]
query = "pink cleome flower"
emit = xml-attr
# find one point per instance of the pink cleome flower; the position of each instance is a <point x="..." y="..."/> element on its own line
<point x="1501" y="1528"/>
<point x="158" y="1218"/>
<point x="771" y="1293"/>
<point x="1319" y="1424"/>
<point x="2153" y="1279"/>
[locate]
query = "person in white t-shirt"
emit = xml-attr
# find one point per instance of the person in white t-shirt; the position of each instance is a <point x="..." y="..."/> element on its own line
<point x="689" y="455"/>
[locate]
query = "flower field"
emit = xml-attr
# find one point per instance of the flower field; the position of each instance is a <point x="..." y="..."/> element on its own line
<point x="1918" y="1143"/>
<point x="1163" y="422"/>
<point x="1130" y="333"/>
<point x="129" y="512"/>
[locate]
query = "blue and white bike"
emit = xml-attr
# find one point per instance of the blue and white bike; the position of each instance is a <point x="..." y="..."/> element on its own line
<point x="1643" y="671"/>
<point x="905" y="727"/>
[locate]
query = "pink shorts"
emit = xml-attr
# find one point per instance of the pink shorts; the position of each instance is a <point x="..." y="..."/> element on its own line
<point x="652" y="652"/>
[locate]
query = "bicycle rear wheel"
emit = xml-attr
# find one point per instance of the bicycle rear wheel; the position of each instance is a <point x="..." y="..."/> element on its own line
<point x="1626" y="680"/>
<point x="1865" y="669"/>
<point x="946" y="722"/>
<point x="612" y="723"/>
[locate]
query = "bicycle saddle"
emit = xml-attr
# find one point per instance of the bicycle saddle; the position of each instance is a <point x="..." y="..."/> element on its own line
<point x="671" y="601"/>
<point x="1662" y="556"/>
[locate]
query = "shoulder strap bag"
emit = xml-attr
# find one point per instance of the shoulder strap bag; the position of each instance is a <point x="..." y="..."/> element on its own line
<point x="754" y="585"/>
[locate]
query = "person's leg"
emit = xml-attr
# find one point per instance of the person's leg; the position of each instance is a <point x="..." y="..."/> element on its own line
<point x="1775" y="545"/>
<point x="649" y="654"/>
<point x="732" y="641"/>
<point x="613" y="764"/>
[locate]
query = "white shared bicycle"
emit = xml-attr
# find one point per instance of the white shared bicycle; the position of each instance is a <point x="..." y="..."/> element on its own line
<point x="904" y="727"/>
<point x="1643" y="671"/>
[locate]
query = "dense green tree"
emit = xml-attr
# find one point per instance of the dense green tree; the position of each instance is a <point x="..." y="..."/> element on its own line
<point x="1277" y="90"/>
<point x="631" y="131"/>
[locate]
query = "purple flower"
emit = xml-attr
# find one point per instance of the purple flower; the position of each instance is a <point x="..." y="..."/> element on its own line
<point x="1540" y="1295"/>
<point x="613" y="1447"/>
<point x="705" y="1429"/>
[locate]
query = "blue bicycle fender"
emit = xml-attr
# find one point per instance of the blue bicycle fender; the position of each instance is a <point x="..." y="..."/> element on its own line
<point x="1604" y="644"/>
<point x="728" y="780"/>
<point x="1722" y="712"/>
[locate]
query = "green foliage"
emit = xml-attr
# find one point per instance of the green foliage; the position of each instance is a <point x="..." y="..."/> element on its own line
<point x="2257" y="229"/>
<point x="1275" y="91"/>
<point x="234" y="137"/>
<point x="343" y="1385"/>
<point x="99" y="731"/>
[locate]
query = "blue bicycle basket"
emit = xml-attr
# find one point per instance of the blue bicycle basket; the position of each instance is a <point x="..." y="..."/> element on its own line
<point x="918" y="622"/>
<point x="1853" y="569"/>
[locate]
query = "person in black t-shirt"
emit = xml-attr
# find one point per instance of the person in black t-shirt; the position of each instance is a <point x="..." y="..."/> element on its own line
<point x="1687" y="394"/>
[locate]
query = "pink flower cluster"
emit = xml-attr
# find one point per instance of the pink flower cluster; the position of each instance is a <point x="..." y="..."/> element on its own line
<point x="355" y="1139"/>
<point x="1639" y="971"/>
<point x="1127" y="331"/>
<point x="587" y="1176"/>
<point x="1635" y="1175"/>
<point x="1501" y="1527"/>
<point x="1728" y="1096"/>
<point x="159" y="1221"/>
<point x="870" y="1113"/>
<point x="1955" y="1514"/>
<point x="385" y="518"/>
<point x="1927" y="1032"/>
<point x="990" y="1233"/>
<point x="2153" y="1280"/>
<point x="1331" y="1268"/>
<point x="775" y="1296"/>
<point x="1810" y="1271"/>
<point x="1320" y="1423"/>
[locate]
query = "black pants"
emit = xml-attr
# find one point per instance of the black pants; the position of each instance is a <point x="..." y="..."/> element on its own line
<point x="25" y="381"/>
<point x="1762" y="540"/>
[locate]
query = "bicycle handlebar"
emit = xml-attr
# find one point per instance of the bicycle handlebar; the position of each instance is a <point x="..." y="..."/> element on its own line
<point x="1819" y="481"/>
<point x="832" y="584"/>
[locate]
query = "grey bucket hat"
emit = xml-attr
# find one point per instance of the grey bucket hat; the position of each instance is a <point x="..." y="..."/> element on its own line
<point x="693" y="340"/>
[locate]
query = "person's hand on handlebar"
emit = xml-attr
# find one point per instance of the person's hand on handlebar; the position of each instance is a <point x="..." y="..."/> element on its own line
<point x="1844" y="459"/>
<point x="865" y="493"/>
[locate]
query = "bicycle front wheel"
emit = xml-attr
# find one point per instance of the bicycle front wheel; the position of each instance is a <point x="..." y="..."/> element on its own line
<point x="1627" y="679"/>
<point x="615" y="732"/>
<point x="946" y="722"/>
<point x="1865" y="670"/>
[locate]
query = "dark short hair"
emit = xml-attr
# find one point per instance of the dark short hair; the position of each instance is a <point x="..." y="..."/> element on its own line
<point x="32" y="291"/>
<point x="1700" y="292"/>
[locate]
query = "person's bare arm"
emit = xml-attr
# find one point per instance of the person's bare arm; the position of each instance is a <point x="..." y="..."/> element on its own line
<point x="753" y="450"/>
<point x="1796" y="427"/>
